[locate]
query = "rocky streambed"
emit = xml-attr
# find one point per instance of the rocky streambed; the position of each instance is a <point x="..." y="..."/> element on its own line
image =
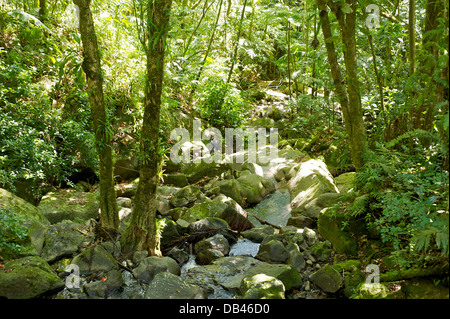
<point x="251" y="230"/>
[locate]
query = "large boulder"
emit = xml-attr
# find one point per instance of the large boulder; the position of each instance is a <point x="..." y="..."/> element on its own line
<point x="63" y="239"/>
<point x="25" y="215"/>
<point x="27" y="277"/>
<point x="18" y="206"/>
<point x="151" y="266"/>
<point x="310" y="180"/>
<point x="166" y="285"/>
<point x="69" y="204"/>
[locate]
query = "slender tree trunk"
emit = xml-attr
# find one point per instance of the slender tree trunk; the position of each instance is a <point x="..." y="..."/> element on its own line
<point x="109" y="218"/>
<point x="412" y="36"/>
<point x="349" y="99"/>
<point x="205" y="9"/>
<point x="288" y="39"/>
<point x="375" y="69"/>
<point x="141" y="234"/>
<point x="191" y="93"/>
<point x="236" y="46"/>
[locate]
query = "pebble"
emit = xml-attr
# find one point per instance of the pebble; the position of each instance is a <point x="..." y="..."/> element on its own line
<point x="307" y="286"/>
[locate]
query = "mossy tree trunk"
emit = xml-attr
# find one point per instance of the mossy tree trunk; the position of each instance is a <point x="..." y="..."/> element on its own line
<point x="349" y="97"/>
<point x="141" y="234"/>
<point x="109" y="217"/>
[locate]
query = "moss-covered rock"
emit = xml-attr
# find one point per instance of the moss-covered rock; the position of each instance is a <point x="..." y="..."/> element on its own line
<point x="27" y="277"/>
<point x="69" y="204"/>
<point x="376" y="291"/>
<point x="328" y="279"/>
<point x="352" y="274"/>
<point x="22" y="208"/>
<point x="261" y="286"/>
<point x="24" y="217"/>
<point x="329" y="226"/>
<point x="188" y="195"/>
<point x="310" y="180"/>
<point x="322" y="250"/>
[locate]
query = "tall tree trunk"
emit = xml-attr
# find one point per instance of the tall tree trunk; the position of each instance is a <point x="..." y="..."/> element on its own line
<point x="412" y="36"/>
<point x="141" y="233"/>
<point x="349" y="99"/>
<point x="43" y="10"/>
<point x="288" y="39"/>
<point x="109" y="217"/>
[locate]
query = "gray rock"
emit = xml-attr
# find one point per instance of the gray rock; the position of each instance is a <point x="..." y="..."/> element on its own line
<point x="257" y="234"/>
<point x="229" y="272"/>
<point x="169" y="286"/>
<point x="208" y="255"/>
<point x="150" y="266"/>
<point x="217" y="242"/>
<point x="111" y="282"/>
<point x="179" y="255"/>
<point x="296" y="258"/>
<point x="328" y="279"/>
<point x="301" y="221"/>
<point x="273" y="252"/>
<point x="64" y="240"/>
<point x="139" y="256"/>
<point x="95" y="259"/>
<point x="124" y="202"/>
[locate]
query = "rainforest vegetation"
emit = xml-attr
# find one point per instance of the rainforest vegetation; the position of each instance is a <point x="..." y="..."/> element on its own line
<point x="90" y="92"/>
